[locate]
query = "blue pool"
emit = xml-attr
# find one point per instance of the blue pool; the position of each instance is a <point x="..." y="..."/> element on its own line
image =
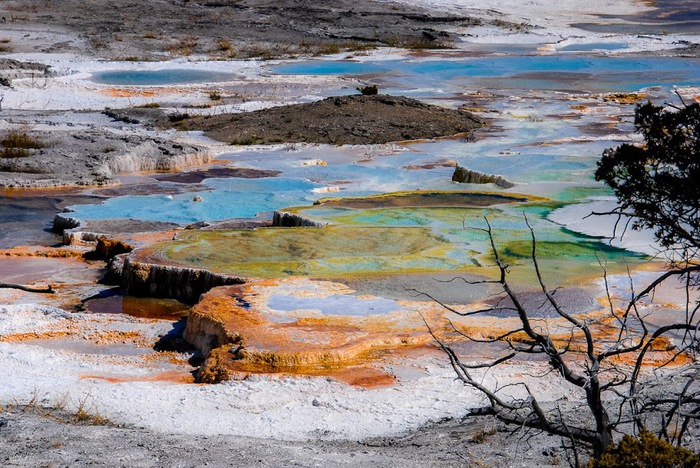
<point x="585" y="73"/>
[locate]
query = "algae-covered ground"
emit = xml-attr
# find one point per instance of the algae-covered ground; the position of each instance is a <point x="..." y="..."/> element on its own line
<point x="329" y="251"/>
<point x="402" y="233"/>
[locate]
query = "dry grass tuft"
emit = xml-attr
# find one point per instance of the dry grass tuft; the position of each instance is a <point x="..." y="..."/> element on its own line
<point x="16" y="144"/>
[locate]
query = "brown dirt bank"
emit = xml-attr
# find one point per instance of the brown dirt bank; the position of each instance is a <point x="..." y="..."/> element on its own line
<point x="339" y="120"/>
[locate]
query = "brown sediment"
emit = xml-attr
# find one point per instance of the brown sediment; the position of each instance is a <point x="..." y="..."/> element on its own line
<point x="624" y="98"/>
<point x="428" y="199"/>
<point x="23" y="337"/>
<point x="432" y="165"/>
<point x="193" y="177"/>
<point x="339" y="120"/>
<point x="76" y="333"/>
<point x="14" y="192"/>
<point x="366" y="377"/>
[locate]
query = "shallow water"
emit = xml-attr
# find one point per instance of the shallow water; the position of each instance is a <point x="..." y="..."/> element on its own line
<point x="142" y="307"/>
<point x="519" y="154"/>
<point x="27" y="216"/>
<point x="339" y="304"/>
<point x="166" y="76"/>
<point x="593" y="46"/>
<point x="230" y="198"/>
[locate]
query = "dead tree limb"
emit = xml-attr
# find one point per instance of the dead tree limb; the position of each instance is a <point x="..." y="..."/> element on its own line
<point x="47" y="290"/>
<point x="588" y="359"/>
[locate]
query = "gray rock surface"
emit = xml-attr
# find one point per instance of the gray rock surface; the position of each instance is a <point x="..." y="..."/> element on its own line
<point x="250" y="28"/>
<point x="35" y="437"/>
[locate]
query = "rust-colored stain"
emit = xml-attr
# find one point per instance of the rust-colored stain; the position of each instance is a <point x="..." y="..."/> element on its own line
<point x="366" y="377"/>
<point x="252" y="339"/>
<point x="168" y="376"/>
<point x="45" y="252"/>
<point x="126" y="92"/>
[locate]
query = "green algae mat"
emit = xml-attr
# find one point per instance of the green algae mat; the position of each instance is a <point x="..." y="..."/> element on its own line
<point x="329" y="251"/>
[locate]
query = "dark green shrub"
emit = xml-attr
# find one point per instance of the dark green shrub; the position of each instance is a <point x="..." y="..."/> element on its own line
<point x="369" y="90"/>
<point x="646" y="451"/>
<point x="178" y="116"/>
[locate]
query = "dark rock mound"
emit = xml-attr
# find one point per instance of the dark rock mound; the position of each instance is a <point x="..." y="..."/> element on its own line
<point x="339" y="120"/>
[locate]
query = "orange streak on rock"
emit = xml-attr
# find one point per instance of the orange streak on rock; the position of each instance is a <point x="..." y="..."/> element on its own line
<point x="45" y="252"/>
<point x="366" y="377"/>
<point x="23" y="337"/>
<point x="138" y="92"/>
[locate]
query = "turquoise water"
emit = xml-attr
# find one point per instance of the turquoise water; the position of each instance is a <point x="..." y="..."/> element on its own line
<point x="229" y="198"/>
<point x="528" y="72"/>
<point x="517" y="155"/>
<point x="166" y="76"/>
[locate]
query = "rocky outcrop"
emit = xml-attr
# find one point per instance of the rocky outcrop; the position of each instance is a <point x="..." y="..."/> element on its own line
<point x="206" y="333"/>
<point x="175" y="282"/>
<point x="11" y="69"/>
<point x="339" y="120"/>
<point x="286" y="219"/>
<point x="467" y="176"/>
<point x="73" y="231"/>
<point x="106" y="248"/>
<point x="64" y="221"/>
<point x="152" y="157"/>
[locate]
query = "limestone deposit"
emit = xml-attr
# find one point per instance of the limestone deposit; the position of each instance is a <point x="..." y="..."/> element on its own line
<point x="80" y="157"/>
<point x="241" y="334"/>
